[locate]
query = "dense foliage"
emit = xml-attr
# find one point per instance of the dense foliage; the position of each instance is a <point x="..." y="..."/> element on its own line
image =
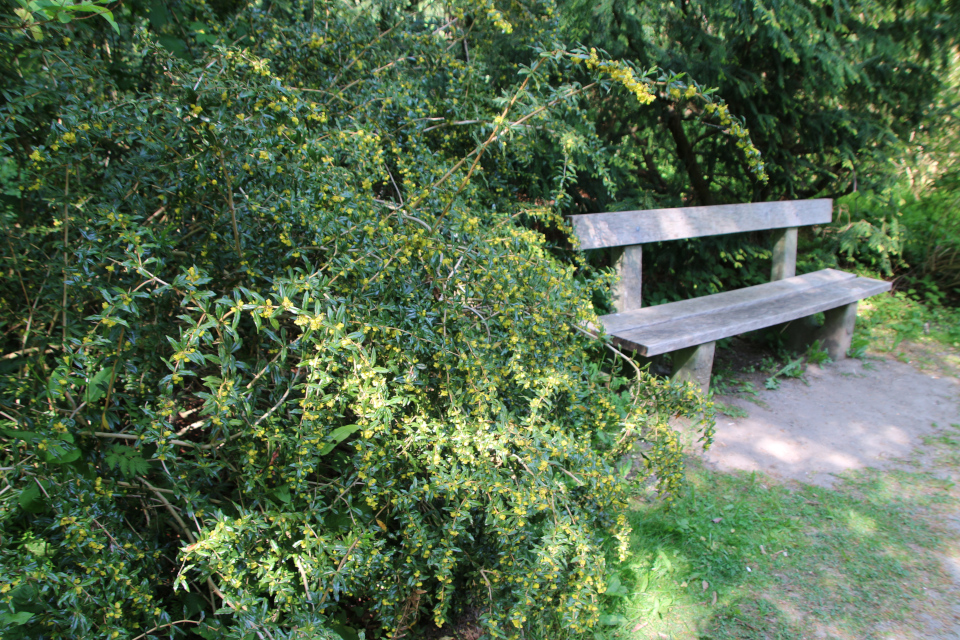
<point x="909" y="227"/>
<point x="286" y="351"/>
<point x="833" y="94"/>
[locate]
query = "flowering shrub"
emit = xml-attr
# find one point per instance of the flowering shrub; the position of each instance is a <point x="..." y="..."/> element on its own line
<point x="286" y="351"/>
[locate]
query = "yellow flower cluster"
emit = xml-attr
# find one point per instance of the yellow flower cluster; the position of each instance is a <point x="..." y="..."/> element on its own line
<point x="620" y="72"/>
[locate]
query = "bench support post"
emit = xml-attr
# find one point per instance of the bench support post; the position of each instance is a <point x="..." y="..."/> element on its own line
<point x="834" y="336"/>
<point x="784" y="254"/>
<point x="694" y="364"/>
<point x="837" y="330"/>
<point x="629" y="266"/>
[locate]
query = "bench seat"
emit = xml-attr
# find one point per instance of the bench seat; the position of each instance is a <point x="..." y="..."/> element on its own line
<point x="670" y="327"/>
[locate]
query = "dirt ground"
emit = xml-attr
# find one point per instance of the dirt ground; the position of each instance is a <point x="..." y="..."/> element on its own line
<point x="839" y="416"/>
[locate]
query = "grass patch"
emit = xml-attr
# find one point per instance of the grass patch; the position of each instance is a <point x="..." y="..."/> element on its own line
<point x="731" y="410"/>
<point x="743" y="556"/>
<point x="887" y="321"/>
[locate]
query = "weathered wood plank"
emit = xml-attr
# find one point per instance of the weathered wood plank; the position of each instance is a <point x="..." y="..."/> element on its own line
<point x="723" y="322"/>
<point x="597" y="230"/>
<point x="617" y="323"/>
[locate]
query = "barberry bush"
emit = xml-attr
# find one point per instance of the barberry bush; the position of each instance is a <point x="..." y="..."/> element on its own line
<point x="287" y="353"/>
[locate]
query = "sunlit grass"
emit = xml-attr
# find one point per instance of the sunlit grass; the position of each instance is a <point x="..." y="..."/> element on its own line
<point x="744" y="556"/>
<point x="887" y="321"/>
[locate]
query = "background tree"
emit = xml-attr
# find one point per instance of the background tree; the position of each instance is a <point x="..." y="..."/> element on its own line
<point x="830" y="93"/>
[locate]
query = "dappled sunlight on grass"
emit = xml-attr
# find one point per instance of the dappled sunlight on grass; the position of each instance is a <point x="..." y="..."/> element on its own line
<point x="861" y="524"/>
<point x="926" y="335"/>
<point x="744" y="556"/>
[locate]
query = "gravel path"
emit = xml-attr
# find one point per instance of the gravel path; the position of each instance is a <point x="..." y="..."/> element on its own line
<point x="844" y="415"/>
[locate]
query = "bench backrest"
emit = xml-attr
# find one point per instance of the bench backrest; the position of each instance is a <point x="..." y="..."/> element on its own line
<point x="623" y="228"/>
<point x="631" y="229"/>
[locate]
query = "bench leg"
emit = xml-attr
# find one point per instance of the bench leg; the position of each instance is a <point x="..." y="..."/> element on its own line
<point x="694" y="364"/>
<point x="837" y="330"/>
<point x="798" y="334"/>
<point x="834" y="335"/>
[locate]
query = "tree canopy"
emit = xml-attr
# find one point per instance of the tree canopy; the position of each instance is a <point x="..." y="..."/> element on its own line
<point x="829" y="91"/>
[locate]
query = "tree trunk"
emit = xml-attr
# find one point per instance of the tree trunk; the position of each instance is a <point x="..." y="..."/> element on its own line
<point x="700" y="185"/>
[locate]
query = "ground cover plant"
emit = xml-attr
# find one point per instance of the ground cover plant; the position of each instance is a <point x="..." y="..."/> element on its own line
<point x="286" y="353"/>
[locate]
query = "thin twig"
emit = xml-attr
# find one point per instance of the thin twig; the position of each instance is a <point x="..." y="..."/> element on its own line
<point x="612" y="348"/>
<point x="394" y="182"/>
<point x="279" y="402"/>
<point x="484" y="320"/>
<point x="66" y="254"/>
<point x="303" y="576"/>
<point x="173" y="512"/>
<point x="154" y="215"/>
<point x="264" y="370"/>
<point x="164" y="626"/>
<point x="233" y="210"/>
<point x="578" y="480"/>
<point x="483" y="574"/>
<point x="343" y="561"/>
<point x="42" y="489"/>
<point x="483" y="147"/>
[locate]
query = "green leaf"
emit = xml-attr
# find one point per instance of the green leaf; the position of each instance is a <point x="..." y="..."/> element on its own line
<point x="615" y="588"/>
<point x="174" y="45"/>
<point x="18" y="618"/>
<point x="127" y="459"/>
<point x="345" y="632"/>
<point x="32" y="499"/>
<point x="59" y="454"/>
<point x="157" y="12"/>
<point x="94" y="391"/>
<point x="108" y="16"/>
<point x="26" y="436"/>
<point x="40" y="548"/>
<point x="339" y="435"/>
<point x="282" y="494"/>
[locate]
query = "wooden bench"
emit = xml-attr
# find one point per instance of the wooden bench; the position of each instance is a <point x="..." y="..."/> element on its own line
<point x="689" y="329"/>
